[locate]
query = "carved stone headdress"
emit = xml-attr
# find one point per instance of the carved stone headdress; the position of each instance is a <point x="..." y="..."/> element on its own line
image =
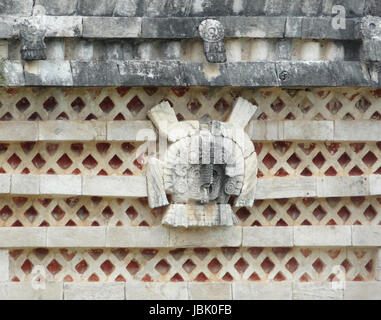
<point x="205" y="164"/>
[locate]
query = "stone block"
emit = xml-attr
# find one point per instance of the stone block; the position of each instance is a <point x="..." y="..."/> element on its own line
<point x="114" y="186"/>
<point x="342" y="186"/>
<point x="18" y="131"/>
<point x="55" y="49"/>
<point x="81" y="237"/>
<point x="262" y="290"/>
<point x="362" y="290"/>
<point x="359" y="130"/>
<point x="4" y="49"/>
<point x="110" y="27"/>
<point x="63" y="185"/>
<point x="137" y="237"/>
<point x="316" y="291"/>
<point x="26" y="291"/>
<point x="170" y="28"/>
<point x="276" y="188"/>
<point x="210" y="291"/>
<point x="94" y="291"/>
<point x="323" y="236"/>
<point x="130" y="131"/>
<point x="16" y="7"/>
<point x="265" y="130"/>
<point x="201" y="237"/>
<point x="4" y="265"/>
<point x="34" y="237"/>
<point x="5" y="183"/>
<point x="366" y="236"/>
<point x="55" y="73"/>
<point x="138" y="290"/>
<point x="58" y="7"/>
<point x="95" y="73"/>
<point x="96" y="8"/>
<point x="268" y="237"/>
<point x="253" y="27"/>
<point x="375" y="185"/>
<point x="308" y="130"/>
<point x="25" y="184"/>
<point x="63" y="130"/>
<point x="13" y="74"/>
<point x="7" y="29"/>
<point x="60" y="27"/>
<point x="155" y="73"/>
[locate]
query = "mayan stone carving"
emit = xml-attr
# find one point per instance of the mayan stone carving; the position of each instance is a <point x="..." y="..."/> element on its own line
<point x="206" y="163"/>
<point x="212" y="33"/>
<point x="32" y="42"/>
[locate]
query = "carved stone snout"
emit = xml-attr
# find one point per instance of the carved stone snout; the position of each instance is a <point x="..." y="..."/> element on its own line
<point x="212" y="33"/>
<point x="32" y="42"/>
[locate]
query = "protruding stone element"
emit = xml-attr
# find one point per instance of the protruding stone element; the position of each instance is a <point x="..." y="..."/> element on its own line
<point x="163" y="117"/>
<point x="32" y="42"/>
<point x="212" y="33"/>
<point x="206" y="163"/>
<point x="247" y="196"/>
<point x="155" y="184"/>
<point x="243" y="111"/>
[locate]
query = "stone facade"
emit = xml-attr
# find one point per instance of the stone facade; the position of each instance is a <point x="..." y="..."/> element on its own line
<point x="83" y="192"/>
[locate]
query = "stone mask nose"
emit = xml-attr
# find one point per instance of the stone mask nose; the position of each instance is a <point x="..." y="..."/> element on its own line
<point x="206" y="179"/>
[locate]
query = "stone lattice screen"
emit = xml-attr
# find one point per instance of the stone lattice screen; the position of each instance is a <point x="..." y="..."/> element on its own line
<point x="290" y="238"/>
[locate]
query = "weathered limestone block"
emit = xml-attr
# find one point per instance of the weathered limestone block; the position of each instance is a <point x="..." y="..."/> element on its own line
<point x="63" y="130"/>
<point x="105" y="27"/>
<point x="375" y="185"/>
<point x="16" y="7"/>
<point x="69" y="185"/>
<point x="133" y="237"/>
<point x="18" y="131"/>
<point x="34" y="237"/>
<point x="114" y="186"/>
<point x="326" y="236"/>
<point x="58" y="7"/>
<point x="208" y="291"/>
<point x="4" y="265"/>
<point x="273" y="188"/>
<point x="25" y="184"/>
<point x="130" y="131"/>
<point x="316" y="291"/>
<point x="5" y="183"/>
<point x="95" y="73"/>
<point x="268" y="237"/>
<point x="366" y="236"/>
<point x="362" y="290"/>
<point x="364" y="130"/>
<point x="312" y="130"/>
<point x="342" y="186"/>
<point x="82" y="237"/>
<point x="138" y="290"/>
<point x="25" y="291"/>
<point x="200" y="237"/>
<point x="94" y="291"/>
<point x="12" y="73"/>
<point x="262" y="290"/>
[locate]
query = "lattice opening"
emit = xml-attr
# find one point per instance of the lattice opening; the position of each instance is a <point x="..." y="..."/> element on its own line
<point x="132" y="103"/>
<point x="215" y="264"/>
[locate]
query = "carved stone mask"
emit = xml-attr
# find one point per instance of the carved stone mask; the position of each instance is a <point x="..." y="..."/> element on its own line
<point x="203" y="167"/>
